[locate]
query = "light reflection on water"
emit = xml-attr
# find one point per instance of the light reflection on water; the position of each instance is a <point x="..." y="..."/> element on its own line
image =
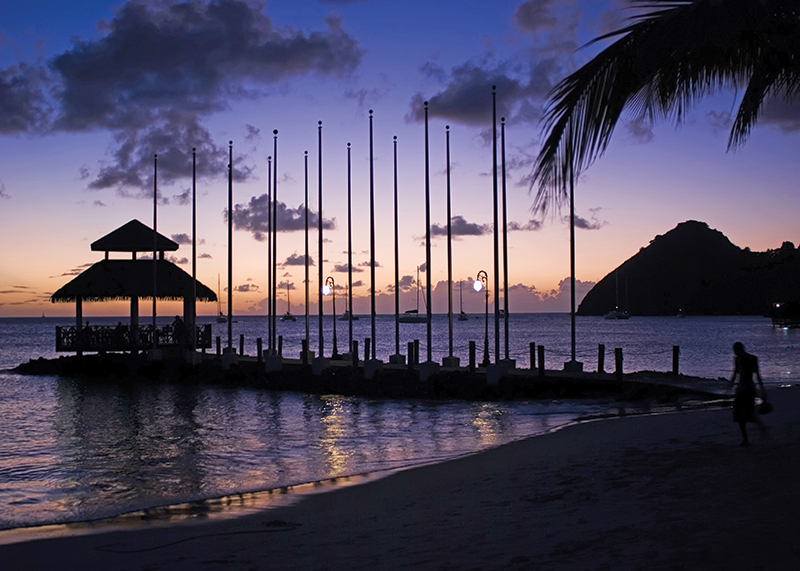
<point x="74" y="451"/>
<point x="78" y="451"/>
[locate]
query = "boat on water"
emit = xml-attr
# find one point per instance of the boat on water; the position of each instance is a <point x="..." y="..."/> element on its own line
<point x="288" y="315"/>
<point x="461" y="316"/>
<point x="347" y="316"/>
<point x="221" y="317"/>
<point x="412" y="315"/>
<point x="617" y="313"/>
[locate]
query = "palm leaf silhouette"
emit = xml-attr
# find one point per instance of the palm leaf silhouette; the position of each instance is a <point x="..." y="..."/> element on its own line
<point x="671" y="55"/>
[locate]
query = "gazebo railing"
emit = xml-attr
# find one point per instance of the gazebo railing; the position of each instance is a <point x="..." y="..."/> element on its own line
<point x="121" y="338"/>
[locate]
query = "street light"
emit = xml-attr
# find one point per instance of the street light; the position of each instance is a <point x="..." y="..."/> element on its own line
<point x="482" y="283"/>
<point x="330" y="289"/>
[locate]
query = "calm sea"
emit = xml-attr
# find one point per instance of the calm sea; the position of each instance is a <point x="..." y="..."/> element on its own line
<point x="73" y="452"/>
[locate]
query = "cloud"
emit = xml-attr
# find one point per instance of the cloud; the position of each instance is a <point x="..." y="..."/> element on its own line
<point x="156" y="71"/>
<point x="460" y="227"/>
<point x="254" y="217"/>
<point x="298" y="260"/>
<point x="720" y="121"/>
<point x="535" y="15"/>
<point x="640" y="130"/>
<point x="529" y="226"/>
<point x="342" y="268"/>
<point x="74" y="271"/>
<point x="246" y="288"/>
<point x="3" y="193"/>
<point x="282" y="286"/>
<point x="205" y="256"/>
<point x="593" y="223"/>
<point x="181" y="238"/>
<point x="782" y="114"/>
<point x="367" y="264"/>
<point x="23" y="106"/>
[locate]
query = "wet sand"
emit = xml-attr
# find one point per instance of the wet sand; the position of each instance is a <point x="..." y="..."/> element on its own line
<point x="673" y="491"/>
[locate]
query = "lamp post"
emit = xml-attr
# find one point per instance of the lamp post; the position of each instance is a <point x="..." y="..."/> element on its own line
<point x="330" y="289"/>
<point x="482" y="283"/>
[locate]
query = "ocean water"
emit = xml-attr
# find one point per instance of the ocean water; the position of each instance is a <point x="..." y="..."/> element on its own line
<point x="76" y="452"/>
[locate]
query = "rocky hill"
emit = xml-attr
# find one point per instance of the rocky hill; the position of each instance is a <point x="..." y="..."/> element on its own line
<point x="697" y="270"/>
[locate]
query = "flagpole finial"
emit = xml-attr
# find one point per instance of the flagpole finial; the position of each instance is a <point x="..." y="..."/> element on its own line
<point x="502" y="119"/>
<point x="275" y="132"/>
<point x="306" y="153"/>
<point x="395" y="137"/>
<point x="370" y="111"/>
<point x="426" y="104"/>
<point x="194" y="149"/>
<point x="447" y="127"/>
<point x="319" y="123"/>
<point x="230" y="143"/>
<point x="348" y="145"/>
<point x="494" y="88"/>
<point x="155" y="156"/>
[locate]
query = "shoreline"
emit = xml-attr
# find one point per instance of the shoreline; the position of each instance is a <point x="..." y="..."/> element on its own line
<point x="657" y="491"/>
<point x="239" y="504"/>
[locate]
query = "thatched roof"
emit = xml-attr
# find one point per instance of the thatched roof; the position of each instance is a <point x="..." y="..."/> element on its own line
<point x="122" y="279"/>
<point x="133" y="237"/>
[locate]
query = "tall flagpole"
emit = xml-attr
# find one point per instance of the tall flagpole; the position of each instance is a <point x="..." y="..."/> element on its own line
<point x="496" y="241"/>
<point x="449" y="254"/>
<point x="270" y="277"/>
<point x="396" y="262"/>
<point x="349" y="252"/>
<point x="319" y="248"/>
<point x="428" y="236"/>
<point x="505" y="232"/>
<point x="372" y="239"/>
<point x="155" y="246"/>
<point x="274" y="292"/>
<point x="230" y="246"/>
<point x="308" y="329"/>
<point x="193" y="330"/>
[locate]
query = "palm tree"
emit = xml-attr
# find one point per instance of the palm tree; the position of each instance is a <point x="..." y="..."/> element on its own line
<point x="672" y="54"/>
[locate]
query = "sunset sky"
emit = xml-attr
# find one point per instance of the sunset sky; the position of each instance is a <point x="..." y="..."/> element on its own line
<point x="90" y="90"/>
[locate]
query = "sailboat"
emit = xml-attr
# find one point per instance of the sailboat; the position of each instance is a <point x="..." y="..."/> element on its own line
<point x="617" y="313"/>
<point x="347" y="316"/>
<point x="288" y="315"/>
<point x="461" y="316"/>
<point x="221" y="317"/>
<point x="412" y="315"/>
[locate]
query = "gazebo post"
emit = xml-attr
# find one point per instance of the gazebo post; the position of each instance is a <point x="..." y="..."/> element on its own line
<point x="79" y="323"/>
<point x="134" y="333"/>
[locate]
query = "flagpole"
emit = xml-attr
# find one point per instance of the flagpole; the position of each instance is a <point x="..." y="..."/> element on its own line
<point x="449" y="255"/>
<point x="308" y="330"/>
<point x="428" y="237"/>
<point x="319" y="248"/>
<point x="155" y="246"/>
<point x="496" y="241"/>
<point x="274" y="293"/>
<point x="193" y="330"/>
<point x="230" y="246"/>
<point x="270" y="277"/>
<point x="349" y="253"/>
<point x="372" y="239"/>
<point x="396" y="264"/>
<point x="505" y="233"/>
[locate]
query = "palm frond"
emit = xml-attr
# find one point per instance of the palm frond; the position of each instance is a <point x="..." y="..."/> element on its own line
<point x="671" y="55"/>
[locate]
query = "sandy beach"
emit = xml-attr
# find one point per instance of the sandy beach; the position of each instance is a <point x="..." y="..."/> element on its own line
<point x="672" y="491"/>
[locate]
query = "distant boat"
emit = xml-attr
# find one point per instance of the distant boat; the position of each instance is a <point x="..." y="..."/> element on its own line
<point x="617" y="313"/>
<point x="412" y="315"/>
<point x="288" y="315"/>
<point x="346" y="316"/>
<point x="680" y="313"/>
<point x="501" y="313"/>
<point x="461" y="316"/>
<point x="221" y="317"/>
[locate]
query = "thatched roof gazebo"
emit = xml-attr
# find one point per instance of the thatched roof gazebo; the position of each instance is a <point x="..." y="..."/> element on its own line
<point x="133" y="279"/>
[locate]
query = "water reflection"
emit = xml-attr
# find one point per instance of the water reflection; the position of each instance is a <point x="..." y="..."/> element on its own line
<point x="96" y="450"/>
